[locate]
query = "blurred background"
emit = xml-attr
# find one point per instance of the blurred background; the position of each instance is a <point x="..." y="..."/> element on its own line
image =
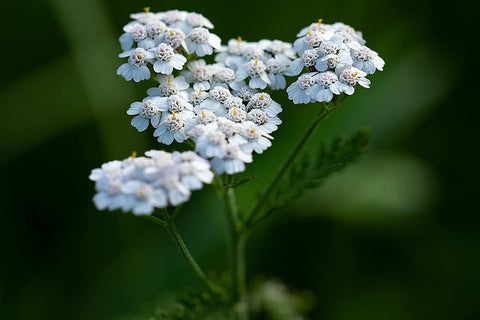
<point x="395" y="236"/>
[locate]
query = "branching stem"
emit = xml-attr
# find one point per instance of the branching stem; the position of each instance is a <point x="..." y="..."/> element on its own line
<point x="256" y="215"/>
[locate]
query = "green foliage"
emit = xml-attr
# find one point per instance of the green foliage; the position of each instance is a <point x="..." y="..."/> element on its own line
<point x="196" y="304"/>
<point x="315" y="165"/>
<point x="269" y="299"/>
<point x="241" y="180"/>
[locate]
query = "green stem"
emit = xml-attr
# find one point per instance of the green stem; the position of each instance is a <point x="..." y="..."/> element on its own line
<point x="240" y="278"/>
<point x="173" y="232"/>
<point x="238" y="240"/>
<point x="255" y="216"/>
<point x="168" y="223"/>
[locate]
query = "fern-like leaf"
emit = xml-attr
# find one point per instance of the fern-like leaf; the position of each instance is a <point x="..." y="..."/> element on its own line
<point x="314" y="166"/>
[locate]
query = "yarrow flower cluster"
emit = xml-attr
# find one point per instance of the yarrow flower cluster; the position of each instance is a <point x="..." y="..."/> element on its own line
<point x="336" y="59"/>
<point x="162" y="40"/>
<point x="144" y="183"/>
<point x="221" y="107"/>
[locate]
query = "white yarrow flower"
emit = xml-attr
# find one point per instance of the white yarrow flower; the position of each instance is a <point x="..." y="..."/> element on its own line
<point x="145" y="112"/>
<point x="367" y="60"/>
<point x="172" y="127"/>
<point x="136" y="67"/>
<point x="302" y="90"/>
<point x="349" y="78"/>
<point x="202" y="42"/>
<point x="167" y="59"/>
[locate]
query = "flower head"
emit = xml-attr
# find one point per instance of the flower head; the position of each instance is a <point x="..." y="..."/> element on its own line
<point x="142" y="184"/>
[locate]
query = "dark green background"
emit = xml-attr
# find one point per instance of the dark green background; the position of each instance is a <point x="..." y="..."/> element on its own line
<point x="394" y="237"/>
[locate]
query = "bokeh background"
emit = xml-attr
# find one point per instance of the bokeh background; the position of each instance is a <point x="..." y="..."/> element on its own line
<point x="395" y="236"/>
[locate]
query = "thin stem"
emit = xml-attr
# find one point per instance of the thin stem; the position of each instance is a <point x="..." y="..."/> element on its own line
<point x="172" y="230"/>
<point x="168" y="223"/>
<point x="155" y="220"/>
<point x="240" y="278"/>
<point x="253" y="218"/>
<point x="237" y="242"/>
<point x="175" y="213"/>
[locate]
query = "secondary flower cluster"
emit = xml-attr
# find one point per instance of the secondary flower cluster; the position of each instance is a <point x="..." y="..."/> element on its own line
<point x="144" y="183"/>
<point x="162" y="39"/>
<point x="336" y="59"/>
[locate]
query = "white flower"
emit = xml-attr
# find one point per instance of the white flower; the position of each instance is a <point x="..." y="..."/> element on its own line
<point x="256" y="69"/>
<point x="202" y="42"/>
<point x="340" y="27"/>
<point x="237" y="115"/>
<point x="233" y="161"/>
<point x="232" y="54"/>
<point x="264" y="102"/>
<point x="263" y="121"/>
<point x="137" y="33"/>
<point x="156" y="29"/>
<point x="327" y="89"/>
<point x="256" y="139"/>
<point x="367" y="60"/>
<point x="307" y="59"/>
<point x="349" y="78"/>
<point x="175" y="103"/>
<point x="253" y="52"/>
<point x="279" y="49"/>
<point x="338" y="62"/>
<point x="169" y="85"/>
<point x="142" y="198"/>
<point x="200" y="73"/>
<point x="172" y="17"/>
<point x="108" y="185"/>
<point x="231" y="130"/>
<point x="224" y="74"/>
<point x="211" y="144"/>
<point x="330" y="47"/>
<point x="167" y="59"/>
<point x="234" y="102"/>
<point x="194" y="20"/>
<point x="194" y="171"/>
<point x="302" y="90"/>
<point x="237" y="46"/>
<point x="172" y="127"/>
<point x="242" y="90"/>
<point x="149" y="110"/>
<point x="215" y="102"/>
<point x="276" y="67"/>
<point x="198" y="96"/>
<point x="197" y="126"/>
<point x="312" y="40"/>
<point x="316" y="27"/>
<point x="175" y="38"/>
<point x="136" y="68"/>
<point x="347" y="38"/>
<point x="144" y="17"/>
